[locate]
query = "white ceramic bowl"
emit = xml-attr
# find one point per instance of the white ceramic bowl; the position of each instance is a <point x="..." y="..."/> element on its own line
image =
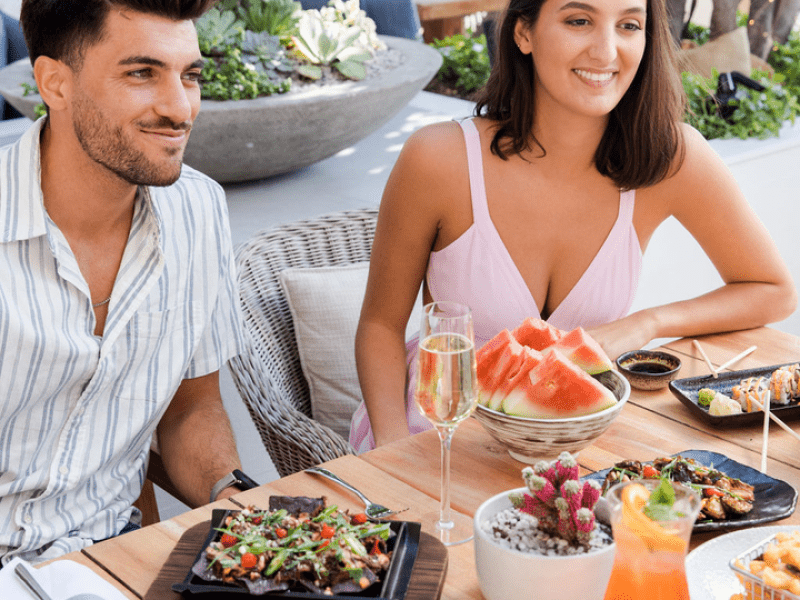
<point x="529" y="440"/>
<point x="506" y="574"/>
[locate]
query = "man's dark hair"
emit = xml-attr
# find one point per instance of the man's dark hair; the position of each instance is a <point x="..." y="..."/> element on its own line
<point x="64" y="29"/>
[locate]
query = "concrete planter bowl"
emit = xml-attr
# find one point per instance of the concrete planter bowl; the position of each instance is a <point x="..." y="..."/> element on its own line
<point x="243" y="140"/>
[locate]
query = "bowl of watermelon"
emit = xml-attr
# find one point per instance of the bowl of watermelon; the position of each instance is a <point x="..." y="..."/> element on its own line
<point x="543" y="391"/>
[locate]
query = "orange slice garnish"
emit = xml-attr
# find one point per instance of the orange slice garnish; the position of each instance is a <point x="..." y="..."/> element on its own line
<point x="655" y="537"/>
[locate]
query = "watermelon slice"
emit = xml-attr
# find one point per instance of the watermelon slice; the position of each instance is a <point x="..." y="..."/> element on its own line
<point x="536" y="334"/>
<point x="494" y="359"/>
<point x="516" y="374"/>
<point x="581" y="349"/>
<point x="556" y="389"/>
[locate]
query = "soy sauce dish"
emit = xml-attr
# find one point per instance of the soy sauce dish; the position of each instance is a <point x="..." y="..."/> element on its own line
<point x="648" y="369"/>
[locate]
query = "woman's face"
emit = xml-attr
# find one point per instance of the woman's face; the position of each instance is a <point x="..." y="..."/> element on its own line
<point x="585" y="52"/>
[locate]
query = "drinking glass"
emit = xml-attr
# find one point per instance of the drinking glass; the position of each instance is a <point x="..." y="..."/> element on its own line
<point x="446" y="389"/>
<point x="650" y="556"/>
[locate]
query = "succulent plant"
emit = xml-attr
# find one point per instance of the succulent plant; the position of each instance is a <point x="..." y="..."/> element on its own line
<point x="329" y="43"/>
<point x="563" y="506"/>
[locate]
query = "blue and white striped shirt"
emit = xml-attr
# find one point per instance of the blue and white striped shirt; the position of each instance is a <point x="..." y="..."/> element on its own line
<point x="77" y="411"/>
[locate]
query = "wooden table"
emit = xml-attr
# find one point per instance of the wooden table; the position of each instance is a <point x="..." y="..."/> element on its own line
<point x="407" y="472"/>
<point x="443" y="18"/>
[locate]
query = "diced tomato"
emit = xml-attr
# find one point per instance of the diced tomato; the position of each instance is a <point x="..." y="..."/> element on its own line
<point x="376" y="548"/>
<point x="327" y="531"/>
<point x="228" y="540"/>
<point x="249" y="560"/>
<point x="325" y="544"/>
<point x="256" y="520"/>
<point x="281" y="532"/>
<point x="650" y="472"/>
<point x="359" y="519"/>
<point x="713" y="492"/>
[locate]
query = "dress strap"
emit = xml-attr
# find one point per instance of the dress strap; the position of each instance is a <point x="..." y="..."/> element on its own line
<point x="627" y="200"/>
<point x="477" y="185"/>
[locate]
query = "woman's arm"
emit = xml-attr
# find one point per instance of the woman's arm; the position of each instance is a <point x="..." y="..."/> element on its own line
<point x="704" y="197"/>
<point x="416" y="204"/>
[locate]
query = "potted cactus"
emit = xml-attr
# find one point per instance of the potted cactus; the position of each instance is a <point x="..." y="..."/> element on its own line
<point x="283" y="87"/>
<point x="544" y="540"/>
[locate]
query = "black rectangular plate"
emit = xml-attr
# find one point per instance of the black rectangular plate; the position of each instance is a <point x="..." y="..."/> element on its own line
<point x="686" y="391"/>
<point x="404" y="545"/>
<point x="775" y="499"/>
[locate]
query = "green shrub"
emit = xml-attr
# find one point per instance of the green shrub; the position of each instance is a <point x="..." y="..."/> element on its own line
<point x="785" y="59"/>
<point x="465" y="63"/>
<point x="757" y="114"/>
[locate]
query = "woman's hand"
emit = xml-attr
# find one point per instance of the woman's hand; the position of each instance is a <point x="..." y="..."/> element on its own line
<point x="630" y="333"/>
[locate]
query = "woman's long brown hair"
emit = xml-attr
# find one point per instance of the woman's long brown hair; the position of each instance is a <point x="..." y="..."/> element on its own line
<point x="642" y="142"/>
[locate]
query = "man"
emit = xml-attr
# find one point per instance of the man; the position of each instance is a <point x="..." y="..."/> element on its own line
<point x="118" y="303"/>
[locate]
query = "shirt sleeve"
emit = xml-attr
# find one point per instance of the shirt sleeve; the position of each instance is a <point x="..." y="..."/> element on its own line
<point x="222" y="336"/>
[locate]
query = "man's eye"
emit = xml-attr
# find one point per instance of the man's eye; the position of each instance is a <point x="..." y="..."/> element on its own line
<point x="194" y="76"/>
<point x="140" y="73"/>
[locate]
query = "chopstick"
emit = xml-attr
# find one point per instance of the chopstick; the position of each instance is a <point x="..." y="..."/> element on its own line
<point x="702" y="352"/>
<point x="777" y="421"/>
<point x="765" y="436"/>
<point x="736" y="358"/>
<point x="716" y="370"/>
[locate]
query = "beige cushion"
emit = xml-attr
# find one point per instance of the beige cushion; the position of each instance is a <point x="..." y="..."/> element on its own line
<point x="729" y="52"/>
<point x="325" y="303"/>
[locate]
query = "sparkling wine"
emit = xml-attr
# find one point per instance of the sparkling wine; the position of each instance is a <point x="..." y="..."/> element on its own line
<point x="446" y="387"/>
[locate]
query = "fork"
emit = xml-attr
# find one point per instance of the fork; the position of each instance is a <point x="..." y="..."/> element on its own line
<point x="374" y="511"/>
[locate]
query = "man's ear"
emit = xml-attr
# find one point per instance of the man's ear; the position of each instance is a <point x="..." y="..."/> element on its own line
<point x="54" y="81"/>
<point x="522" y="37"/>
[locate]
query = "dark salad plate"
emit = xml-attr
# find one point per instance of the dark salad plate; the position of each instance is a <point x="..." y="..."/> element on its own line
<point x="774" y="499"/>
<point x="686" y="391"/>
<point x="392" y="586"/>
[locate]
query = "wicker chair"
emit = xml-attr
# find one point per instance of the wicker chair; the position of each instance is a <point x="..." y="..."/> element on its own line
<point x="267" y="373"/>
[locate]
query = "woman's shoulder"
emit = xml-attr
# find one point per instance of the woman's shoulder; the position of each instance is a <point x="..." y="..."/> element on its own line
<point x="435" y="148"/>
<point x="694" y="162"/>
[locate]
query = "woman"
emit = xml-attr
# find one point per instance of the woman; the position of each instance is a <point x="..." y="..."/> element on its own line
<point x="543" y="204"/>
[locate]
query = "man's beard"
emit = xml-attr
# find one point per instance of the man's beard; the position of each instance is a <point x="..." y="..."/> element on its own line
<point x="109" y="146"/>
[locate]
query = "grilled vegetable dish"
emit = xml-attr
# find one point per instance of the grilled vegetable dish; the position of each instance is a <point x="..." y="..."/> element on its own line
<point x="723" y="497"/>
<point x="309" y="546"/>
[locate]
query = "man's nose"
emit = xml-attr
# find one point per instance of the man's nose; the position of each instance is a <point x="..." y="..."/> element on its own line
<point x="175" y="100"/>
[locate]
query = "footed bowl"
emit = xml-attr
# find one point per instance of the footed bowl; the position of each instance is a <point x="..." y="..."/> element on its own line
<point x="529" y="440"/>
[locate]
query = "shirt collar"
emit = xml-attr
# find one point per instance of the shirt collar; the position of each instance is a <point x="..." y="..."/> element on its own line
<point x="22" y="213"/>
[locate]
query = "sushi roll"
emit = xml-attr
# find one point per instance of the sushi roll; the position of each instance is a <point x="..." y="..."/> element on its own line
<point x="750" y="389"/>
<point x="783" y="384"/>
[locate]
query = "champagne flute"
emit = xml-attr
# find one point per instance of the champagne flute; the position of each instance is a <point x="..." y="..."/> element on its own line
<point x="446" y="390"/>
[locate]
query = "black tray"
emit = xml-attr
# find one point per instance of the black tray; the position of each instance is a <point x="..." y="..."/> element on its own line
<point x="686" y="391"/>
<point x="404" y="545"/>
<point x="774" y="499"/>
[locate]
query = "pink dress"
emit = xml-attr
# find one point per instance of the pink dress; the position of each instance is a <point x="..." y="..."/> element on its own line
<point x="477" y="270"/>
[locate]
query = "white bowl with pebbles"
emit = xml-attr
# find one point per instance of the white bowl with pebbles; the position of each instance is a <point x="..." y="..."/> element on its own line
<point x="515" y="560"/>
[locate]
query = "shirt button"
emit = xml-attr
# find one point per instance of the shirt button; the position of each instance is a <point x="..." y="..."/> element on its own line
<point x="63" y="470"/>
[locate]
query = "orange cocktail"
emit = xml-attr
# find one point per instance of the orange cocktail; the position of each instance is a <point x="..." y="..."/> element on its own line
<point x="652" y="523"/>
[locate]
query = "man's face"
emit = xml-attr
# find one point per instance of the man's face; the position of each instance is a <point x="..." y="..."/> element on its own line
<point x="136" y="95"/>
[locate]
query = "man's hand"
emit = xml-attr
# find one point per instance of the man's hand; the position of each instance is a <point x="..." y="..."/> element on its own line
<point x="196" y="440"/>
